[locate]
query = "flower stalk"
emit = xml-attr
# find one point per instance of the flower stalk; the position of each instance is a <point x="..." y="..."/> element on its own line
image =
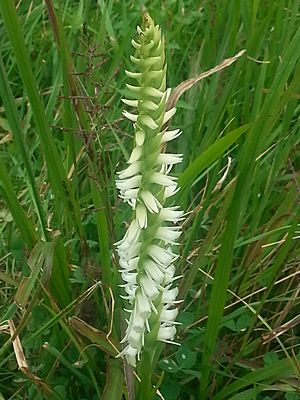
<point x="147" y="251"/>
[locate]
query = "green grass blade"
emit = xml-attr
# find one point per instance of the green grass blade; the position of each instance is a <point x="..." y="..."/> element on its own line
<point x="209" y="156"/>
<point x="15" y="124"/>
<point x="23" y="223"/>
<point x="270" y="374"/>
<point x="56" y="170"/>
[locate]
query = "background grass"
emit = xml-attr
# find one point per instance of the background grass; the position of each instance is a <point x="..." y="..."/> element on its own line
<point x="62" y="138"/>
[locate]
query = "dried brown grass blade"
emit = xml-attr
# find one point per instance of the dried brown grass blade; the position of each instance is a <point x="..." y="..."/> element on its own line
<point x="21" y="360"/>
<point x="185" y="85"/>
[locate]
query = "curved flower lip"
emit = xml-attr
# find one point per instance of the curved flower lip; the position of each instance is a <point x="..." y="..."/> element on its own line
<point x="131" y="103"/>
<point x="171" y="214"/>
<point x="171" y="191"/>
<point x="135" y="44"/>
<point x="168" y="115"/>
<point x="130" y="183"/>
<point x="162" y="179"/>
<point x="170" y="159"/>
<point x="130" y="171"/>
<point x="168" y="234"/>
<point x="167" y="136"/>
<point x="134" y="89"/>
<point x="134" y="75"/>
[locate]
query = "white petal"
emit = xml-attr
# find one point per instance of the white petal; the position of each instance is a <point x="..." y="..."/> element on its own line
<point x="148" y="121"/>
<point x="170" y="135"/>
<point x="133" y="250"/>
<point x="134" y="338"/>
<point x="130" y="290"/>
<point x="161" y="256"/>
<point x="150" y="201"/>
<point x="171" y="214"/>
<point x="131" y="103"/>
<point x="149" y="287"/>
<point x="149" y="105"/>
<point x="154" y="271"/>
<point x="168" y="115"/>
<point x="129" y="195"/>
<point x="129" y="277"/>
<point x="150" y="91"/>
<point x="134" y="75"/>
<point x="139" y="137"/>
<point x="168" y="234"/>
<point x="135" y="44"/>
<point x="169" y="295"/>
<point x="168" y="315"/>
<point x="135" y="60"/>
<point x="130" y="353"/>
<point x="141" y="215"/>
<point x="133" y="231"/>
<point x="170" y="191"/>
<point x="169" y="274"/>
<point x="166" y="333"/>
<point x="143" y="305"/>
<point x="137" y="323"/>
<point x="162" y="179"/>
<point x="134" y="89"/>
<point x="168" y="92"/>
<point x="133" y="169"/>
<point x="139" y="31"/>
<point x="131" y="117"/>
<point x="135" y="155"/>
<point x="170" y="159"/>
<point x="130" y="183"/>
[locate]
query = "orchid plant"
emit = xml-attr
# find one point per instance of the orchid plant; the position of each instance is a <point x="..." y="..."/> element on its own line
<point x="146" y="252"/>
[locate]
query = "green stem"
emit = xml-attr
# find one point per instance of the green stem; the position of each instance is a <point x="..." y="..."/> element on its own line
<point x="145" y="389"/>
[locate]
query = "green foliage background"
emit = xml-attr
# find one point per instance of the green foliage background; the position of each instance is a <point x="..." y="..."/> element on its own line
<point x="62" y="139"/>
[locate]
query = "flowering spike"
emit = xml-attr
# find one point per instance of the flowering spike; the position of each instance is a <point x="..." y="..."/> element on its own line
<point x="146" y="250"/>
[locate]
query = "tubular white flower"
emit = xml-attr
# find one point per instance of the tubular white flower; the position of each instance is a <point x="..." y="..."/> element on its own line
<point x="146" y="250"/>
<point x="166" y="333"/>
